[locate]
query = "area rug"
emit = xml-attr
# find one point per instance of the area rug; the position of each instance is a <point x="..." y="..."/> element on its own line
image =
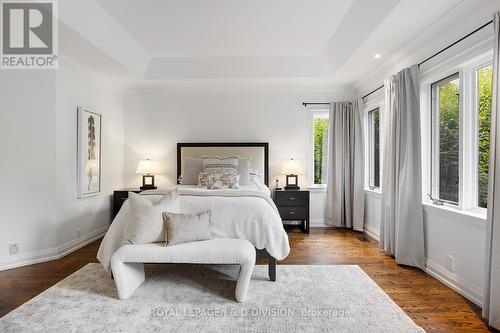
<point x="196" y="298"/>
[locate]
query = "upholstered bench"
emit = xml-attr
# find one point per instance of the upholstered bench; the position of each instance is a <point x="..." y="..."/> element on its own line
<point x="128" y="269"/>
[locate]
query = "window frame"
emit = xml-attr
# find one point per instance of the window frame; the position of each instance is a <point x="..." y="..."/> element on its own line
<point x="375" y="101"/>
<point x="473" y="178"/>
<point x="434" y="149"/>
<point x="467" y="66"/>
<point x="371" y="149"/>
<point x="314" y="112"/>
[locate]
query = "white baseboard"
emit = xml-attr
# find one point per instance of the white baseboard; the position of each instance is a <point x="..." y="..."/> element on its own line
<point x="455" y="282"/>
<point x="54" y="253"/>
<point x="452" y="280"/>
<point x="372" y="232"/>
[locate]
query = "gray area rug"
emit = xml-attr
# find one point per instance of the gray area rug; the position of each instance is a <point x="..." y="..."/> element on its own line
<point x="196" y="298"/>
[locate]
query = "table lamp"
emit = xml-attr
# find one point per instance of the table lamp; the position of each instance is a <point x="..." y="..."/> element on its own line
<point x="147" y="168"/>
<point x="291" y="169"/>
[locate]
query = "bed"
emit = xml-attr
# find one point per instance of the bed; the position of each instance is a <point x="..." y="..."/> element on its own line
<point x="246" y="213"/>
<point x="254" y="216"/>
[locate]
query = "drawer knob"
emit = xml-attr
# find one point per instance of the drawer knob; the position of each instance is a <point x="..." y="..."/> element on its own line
<point x="292" y="198"/>
<point x="292" y="213"/>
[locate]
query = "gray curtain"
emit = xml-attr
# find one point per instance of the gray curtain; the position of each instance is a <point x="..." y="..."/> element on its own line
<point x="345" y="203"/>
<point x="491" y="306"/>
<point x="402" y="227"/>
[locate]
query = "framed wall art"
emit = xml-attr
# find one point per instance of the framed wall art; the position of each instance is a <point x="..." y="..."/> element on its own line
<point x="89" y="152"/>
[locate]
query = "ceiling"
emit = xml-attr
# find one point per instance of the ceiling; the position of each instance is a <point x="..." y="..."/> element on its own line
<point x="227" y="28"/>
<point x="240" y="42"/>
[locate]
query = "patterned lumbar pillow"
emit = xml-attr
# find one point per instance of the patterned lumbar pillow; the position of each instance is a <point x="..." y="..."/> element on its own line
<point x="215" y="164"/>
<point x="146" y="223"/>
<point x="183" y="228"/>
<point x="215" y="181"/>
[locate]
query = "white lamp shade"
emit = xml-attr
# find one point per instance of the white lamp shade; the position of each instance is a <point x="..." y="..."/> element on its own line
<point x="147" y="167"/>
<point x="291" y="167"/>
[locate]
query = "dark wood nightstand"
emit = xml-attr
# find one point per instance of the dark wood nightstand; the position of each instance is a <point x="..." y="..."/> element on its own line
<point x="119" y="198"/>
<point x="293" y="205"/>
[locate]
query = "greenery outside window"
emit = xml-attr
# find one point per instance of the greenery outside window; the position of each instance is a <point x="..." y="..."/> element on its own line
<point x="484" y="83"/>
<point x="446" y="139"/>
<point x="320" y="126"/>
<point x="460" y="136"/>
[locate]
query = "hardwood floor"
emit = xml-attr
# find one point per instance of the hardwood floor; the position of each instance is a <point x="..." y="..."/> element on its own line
<point x="431" y="304"/>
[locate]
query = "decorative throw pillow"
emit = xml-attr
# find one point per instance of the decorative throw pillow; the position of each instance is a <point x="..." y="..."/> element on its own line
<point x="183" y="228"/>
<point x="244" y="170"/>
<point x="146" y="223"/>
<point x="256" y="176"/>
<point x="215" y="164"/>
<point x="215" y="181"/>
<point x="192" y="168"/>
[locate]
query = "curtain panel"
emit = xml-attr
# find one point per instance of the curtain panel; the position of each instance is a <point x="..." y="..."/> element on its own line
<point x="402" y="226"/>
<point x="345" y="201"/>
<point x="491" y="306"/>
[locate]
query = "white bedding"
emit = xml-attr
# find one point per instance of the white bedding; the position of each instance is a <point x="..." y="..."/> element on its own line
<point x="248" y="213"/>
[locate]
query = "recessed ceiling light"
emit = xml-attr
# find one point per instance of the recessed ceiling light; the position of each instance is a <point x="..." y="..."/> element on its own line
<point x="377" y="56"/>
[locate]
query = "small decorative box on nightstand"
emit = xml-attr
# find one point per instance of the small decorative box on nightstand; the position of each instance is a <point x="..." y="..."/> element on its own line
<point x="293" y="205"/>
<point x="119" y="198"/>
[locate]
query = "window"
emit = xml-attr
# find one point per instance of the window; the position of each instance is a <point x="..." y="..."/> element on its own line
<point x="460" y="135"/>
<point x="484" y="82"/>
<point x="374" y="148"/>
<point x="446" y="138"/>
<point x="319" y="141"/>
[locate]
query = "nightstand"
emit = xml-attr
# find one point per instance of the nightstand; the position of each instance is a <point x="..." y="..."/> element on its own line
<point x="293" y="205"/>
<point x="119" y="198"/>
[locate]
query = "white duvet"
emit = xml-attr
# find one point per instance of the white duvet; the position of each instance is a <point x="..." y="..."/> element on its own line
<point x="248" y="213"/>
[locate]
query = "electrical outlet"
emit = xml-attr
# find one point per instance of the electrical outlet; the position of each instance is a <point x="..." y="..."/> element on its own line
<point x="13" y="248"/>
<point x="450" y="263"/>
<point x="78" y="233"/>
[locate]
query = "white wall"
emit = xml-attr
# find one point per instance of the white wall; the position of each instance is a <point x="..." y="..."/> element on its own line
<point x="156" y="120"/>
<point x="39" y="209"/>
<point x="27" y="177"/>
<point x="76" y="86"/>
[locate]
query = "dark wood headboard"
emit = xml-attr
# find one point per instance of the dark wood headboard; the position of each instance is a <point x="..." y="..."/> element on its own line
<point x="243" y="145"/>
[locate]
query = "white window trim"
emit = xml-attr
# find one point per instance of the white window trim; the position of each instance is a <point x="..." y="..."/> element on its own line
<point x="473" y="172"/>
<point x="312" y="113"/>
<point x="371" y="152"/>
<point x="466" y="65"/>
<point x="376" y="102"/>
<point x="434" y="124"/>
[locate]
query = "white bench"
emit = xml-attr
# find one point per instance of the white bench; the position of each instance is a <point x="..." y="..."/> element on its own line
<point x="127" y="263"/>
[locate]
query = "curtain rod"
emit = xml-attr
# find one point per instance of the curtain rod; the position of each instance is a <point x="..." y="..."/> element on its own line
<point x="306" y="104"/>
<point x="458" y="41"/>
<point x="439" y="52"/>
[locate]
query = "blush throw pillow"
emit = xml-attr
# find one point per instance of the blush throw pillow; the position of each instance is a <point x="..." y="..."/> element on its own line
<point x="183" y="228"/>
<point x="146" y="224"/>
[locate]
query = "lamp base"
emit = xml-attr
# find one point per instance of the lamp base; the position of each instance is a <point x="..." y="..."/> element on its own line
<point x="148" y="182"/>
<point x="148" y="187"/>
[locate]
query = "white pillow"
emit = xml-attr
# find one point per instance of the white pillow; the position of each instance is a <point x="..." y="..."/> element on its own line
<point x="146" y="224"/>
<point x="244" y="170"/>
<point x="192" y="168"/>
